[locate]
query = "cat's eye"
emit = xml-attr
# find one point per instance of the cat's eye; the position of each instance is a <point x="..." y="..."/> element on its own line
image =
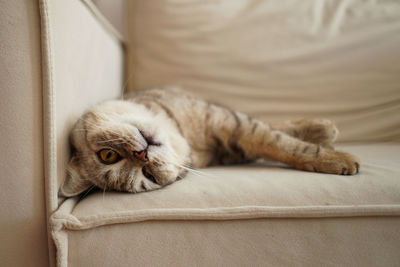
<point x="108" y="156"/>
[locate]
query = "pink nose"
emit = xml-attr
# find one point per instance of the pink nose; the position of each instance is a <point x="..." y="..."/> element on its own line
<point x="141" y="155"/>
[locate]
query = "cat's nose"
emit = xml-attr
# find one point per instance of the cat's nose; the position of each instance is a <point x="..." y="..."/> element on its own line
<point x="141" y="155"/>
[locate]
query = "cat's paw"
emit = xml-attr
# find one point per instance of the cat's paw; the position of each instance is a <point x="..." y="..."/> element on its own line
<point x="333" y="162"/>
<point x="317" y="131"/>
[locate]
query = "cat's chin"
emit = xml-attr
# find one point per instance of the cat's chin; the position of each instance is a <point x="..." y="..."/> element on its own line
<point x="161" y="175"/>
<point x="146" y="172"/>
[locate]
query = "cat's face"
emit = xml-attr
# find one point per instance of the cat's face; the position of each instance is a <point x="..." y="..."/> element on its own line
<point x="125" y="147"/>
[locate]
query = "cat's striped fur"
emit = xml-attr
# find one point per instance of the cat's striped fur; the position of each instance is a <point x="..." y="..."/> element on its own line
<point x="161" y="133"/>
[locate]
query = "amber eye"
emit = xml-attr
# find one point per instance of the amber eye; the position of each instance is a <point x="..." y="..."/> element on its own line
<point x="108" y="156"/>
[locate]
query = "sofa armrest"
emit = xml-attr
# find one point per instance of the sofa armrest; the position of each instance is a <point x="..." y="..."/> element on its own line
<point x="23" y="238"/>
<point x="57" y="59"/>
<point x="83" y="65"/>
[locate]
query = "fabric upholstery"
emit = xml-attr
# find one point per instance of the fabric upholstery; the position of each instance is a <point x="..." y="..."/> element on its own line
<point x="234" y="186"/>
<point x="259" y="242"/>
<point x="277" y="60"/>
<point x="246" y="210"/>
<point x="86" y="65"/>
<point x="23" y="235"/>
<point x="338" y="62"/>
<point x="114" y="11"/>
<point x="82" y="64"/>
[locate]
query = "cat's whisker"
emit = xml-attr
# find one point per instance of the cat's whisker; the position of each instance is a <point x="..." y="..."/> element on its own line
<point x="196" y="172"/>
<point x="124" y="87"/>
<point x="121" y="143"/>
<point x="104" y="192"/>
<point x="110" y="140"/>
<point x="193" y="171"/>
<point x="183" y="166"/>
<point x="113" y="143"/>
<point x="199" y="173"/>
<point x="97" y="126"/>
<point x="189" y="169"/>
<point x="81" y="157"/>
<point x="87" y="191"/>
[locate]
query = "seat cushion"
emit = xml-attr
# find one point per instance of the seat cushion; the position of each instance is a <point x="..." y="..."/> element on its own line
<point x="267" y="186"/>
<point x="242" y="194"/>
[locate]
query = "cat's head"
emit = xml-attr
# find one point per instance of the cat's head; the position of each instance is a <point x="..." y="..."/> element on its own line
<point x="123" y="146"/>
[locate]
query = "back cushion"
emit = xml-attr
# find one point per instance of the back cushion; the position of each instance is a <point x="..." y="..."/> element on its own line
<point x="276" y="60"/>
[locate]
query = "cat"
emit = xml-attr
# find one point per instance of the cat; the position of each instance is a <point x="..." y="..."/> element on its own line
<point x="152" y="139"/>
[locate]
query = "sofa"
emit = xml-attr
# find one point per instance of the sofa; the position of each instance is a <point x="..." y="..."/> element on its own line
<point x="275" y="60"/>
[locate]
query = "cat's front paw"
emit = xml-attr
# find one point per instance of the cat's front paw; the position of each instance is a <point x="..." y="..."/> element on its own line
<point x="333" y="162"/>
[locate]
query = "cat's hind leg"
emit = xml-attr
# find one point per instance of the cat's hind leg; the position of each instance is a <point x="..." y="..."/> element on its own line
<point x="317" y="131"/>
<point x="254" y="139"/>
<point x="300" y="154"/>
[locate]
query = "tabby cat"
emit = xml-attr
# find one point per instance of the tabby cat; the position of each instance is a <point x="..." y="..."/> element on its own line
<point x="150" y="140"/>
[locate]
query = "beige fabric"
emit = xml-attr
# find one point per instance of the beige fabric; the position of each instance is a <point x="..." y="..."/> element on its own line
<point x="82" y="65"/>
<point x="319" y="208"/>
<point x="85" y="65"/>
<point x="277" y="60"/>
<point x="114" y="11"/>
<point x="107" y="15"/>
<point x="273" y="186"/>
<point x="341" y="53"/>
<point x="370" y="241"/>
<point x="23" y="236"/>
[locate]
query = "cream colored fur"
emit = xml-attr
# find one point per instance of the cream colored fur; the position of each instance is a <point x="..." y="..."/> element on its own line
<point x="178" y="132"/>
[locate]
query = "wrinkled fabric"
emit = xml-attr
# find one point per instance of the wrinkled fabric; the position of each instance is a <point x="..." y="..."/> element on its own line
<point x="277" y="60"/>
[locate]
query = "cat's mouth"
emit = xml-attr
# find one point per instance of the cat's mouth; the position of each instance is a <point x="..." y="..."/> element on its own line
<point x="148" y="175"/>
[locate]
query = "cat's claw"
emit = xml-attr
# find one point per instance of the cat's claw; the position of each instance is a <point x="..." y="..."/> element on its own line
<point x="333" y="162"/>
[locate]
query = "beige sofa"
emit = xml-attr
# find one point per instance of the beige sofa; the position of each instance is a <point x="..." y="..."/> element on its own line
<point x="275" y="60"/>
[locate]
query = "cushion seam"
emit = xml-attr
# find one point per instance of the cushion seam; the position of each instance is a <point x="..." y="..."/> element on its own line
<point x="69" y="221"/>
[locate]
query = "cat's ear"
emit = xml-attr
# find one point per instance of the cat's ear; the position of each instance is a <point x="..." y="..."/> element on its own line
<point x="73" y="184"/>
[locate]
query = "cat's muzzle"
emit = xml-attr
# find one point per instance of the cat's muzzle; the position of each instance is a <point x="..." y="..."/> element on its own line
<point x="148" y="175"/>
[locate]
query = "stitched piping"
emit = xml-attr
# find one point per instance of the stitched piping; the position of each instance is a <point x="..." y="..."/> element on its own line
<point x="223" y="213"/>
<point x="50" y="155"/>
